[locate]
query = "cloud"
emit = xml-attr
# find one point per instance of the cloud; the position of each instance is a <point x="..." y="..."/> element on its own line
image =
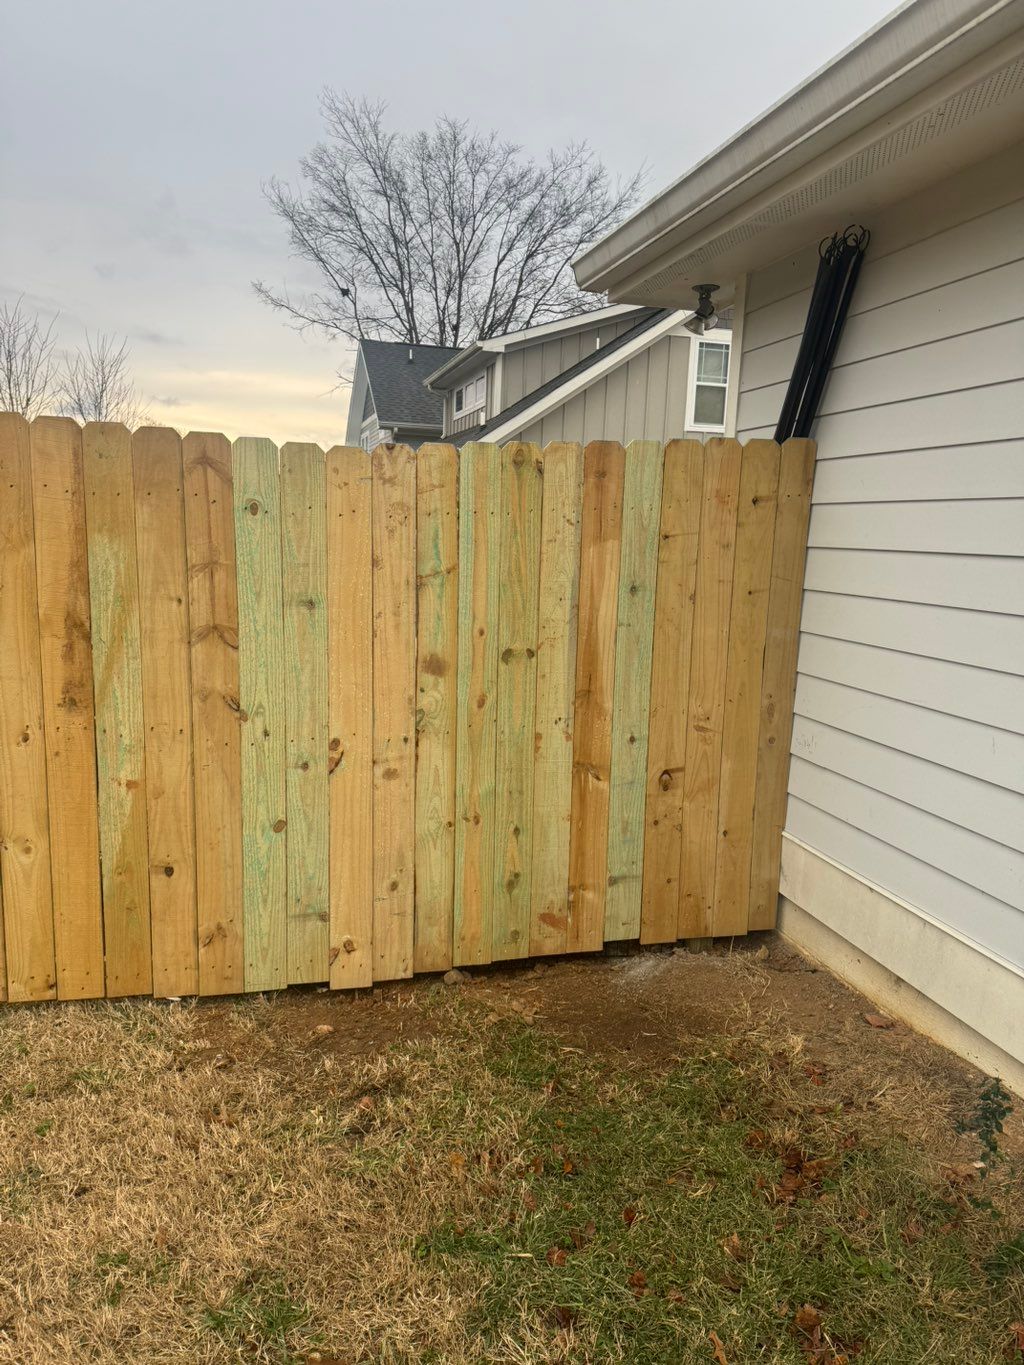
<point x="154" y="338"/>
<point x="167" y="402"/>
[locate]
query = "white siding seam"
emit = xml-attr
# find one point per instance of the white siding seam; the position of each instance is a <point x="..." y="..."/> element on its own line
<point x="851" y="365"/>
<point x="913" y="450"/>
<point x="908" y="654"/>
<point x="894" y="251"/>
<point x="856" y="312"/>
<point x="908" y="602"/>
<point x="807" y="756"/>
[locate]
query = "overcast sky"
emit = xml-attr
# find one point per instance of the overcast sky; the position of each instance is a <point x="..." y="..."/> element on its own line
<point x="137" y="133"/>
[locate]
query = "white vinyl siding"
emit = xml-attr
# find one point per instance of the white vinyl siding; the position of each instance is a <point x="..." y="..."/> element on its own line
<point x="908" y="741"/>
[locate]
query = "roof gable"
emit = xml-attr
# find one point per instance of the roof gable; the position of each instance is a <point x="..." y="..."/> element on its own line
<point x="395" y="372"/>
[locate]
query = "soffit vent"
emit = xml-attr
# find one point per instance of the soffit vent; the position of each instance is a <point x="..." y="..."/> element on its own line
<point x="950" y="114"/>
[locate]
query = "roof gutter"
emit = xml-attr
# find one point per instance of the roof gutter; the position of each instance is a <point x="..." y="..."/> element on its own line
<point x="903" y="55"/>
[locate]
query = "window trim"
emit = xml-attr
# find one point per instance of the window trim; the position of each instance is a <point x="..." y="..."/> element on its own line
<point x="478" y="405"/>
<point x="720" y="336"/>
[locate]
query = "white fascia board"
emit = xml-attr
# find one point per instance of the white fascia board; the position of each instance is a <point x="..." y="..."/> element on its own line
<point x="910" y="50"/>
<point x="582" y="381"/>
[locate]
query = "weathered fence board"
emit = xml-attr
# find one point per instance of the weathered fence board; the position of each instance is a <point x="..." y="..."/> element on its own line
<point x="274" y="716"/>
<point x="476" y="698"/>
<point x="166" y="704"/>
<point x="304" y="571"/>
<point x="394" y="709"/>
<point x="120" y="732"/>
<point x="437" y="588"/>
<point x="24" y="824"/>
<point x="521" y="491"/>
<point x="216" y="722"/>
<point x="634" y="632"/>
<point x="350" y="712"/>
<point x="670" y="686"/>
<point x="65" y="643"/>
<point x="556" y="685"/>
<point x="257" y="492"/>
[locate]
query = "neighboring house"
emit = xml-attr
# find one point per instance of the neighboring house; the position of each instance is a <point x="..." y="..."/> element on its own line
<point x="614" y="374"/>
<point x="389" y="401"/>
<point x="903" y="857"/>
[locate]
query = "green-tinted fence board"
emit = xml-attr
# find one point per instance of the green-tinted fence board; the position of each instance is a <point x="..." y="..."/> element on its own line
<point x="437" y="587"/>
<point x="522" y="489"/>
<point x="304" y="568"/>
<point x="117" y="679"/>
<point x="257" y="493"/>
<point x="556" y="685"/>
<point x="476" y="696"/>
<point x="634" y="634"/>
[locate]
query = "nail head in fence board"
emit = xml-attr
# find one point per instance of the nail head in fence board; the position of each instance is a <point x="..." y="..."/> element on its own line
<point x="476" y="715"/>
<point x="394" y="709"/>
<point x="519" y="579"/>
<point x="350" y="709"/>
<point x="166" y="704"/>
<point x="556" y="684"/>
<point x="216" y="727"/>
<point x="257" y="492"/>
<point x="120" y="733"/>
<point x="634" y="632"/>
<point x="755" y="531"/>
<point x="62" y="586"/>
<point x="706" y="708"/>
<point x="304" y="556"/>
<point x="670" y="685"/>
<point x="437" y="550"/>
<point x="600" y="547"/>
<point x="778" y="684"/>
<point x="24" y="824"/>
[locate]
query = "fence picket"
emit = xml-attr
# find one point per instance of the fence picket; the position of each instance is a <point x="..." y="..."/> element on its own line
<point x="437" y="588"/>
<point x="257" y="494"/>
<point x="350" y="714"/>
<point x="634" y="634"/>
<point x="755" y="531"/>
<point x="216" y="723"/>
<point x="778" y="683"/>
<point x="600" y="549"/>
<point x="120" y="733"/>
<point x="304" y="569"/>
<point x="556" y="681"/>
<point x="166" y="696"/>
<point x="25" y="884"/>
<point x="712" y="605"/>
<point x="521" y="505"/>
<point x="476" y="699"/>
<point x="65" y="642"/>
<point x="394" y="709"/>
<point x="670" y="684"/>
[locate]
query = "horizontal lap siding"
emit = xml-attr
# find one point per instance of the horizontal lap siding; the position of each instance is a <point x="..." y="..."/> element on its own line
<point x="908" y="741"/>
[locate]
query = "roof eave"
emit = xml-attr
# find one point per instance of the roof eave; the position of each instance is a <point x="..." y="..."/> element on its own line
<point x="901" y="57"/>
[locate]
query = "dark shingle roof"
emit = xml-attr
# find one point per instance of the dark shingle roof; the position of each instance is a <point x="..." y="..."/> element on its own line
<point x="645" y="321"/>
<point x="396" y="371"/>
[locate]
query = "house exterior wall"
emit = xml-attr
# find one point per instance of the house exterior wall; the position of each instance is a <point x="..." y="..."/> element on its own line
<point x="644" y="398"/>
<point x="908" y="739"/>
<point x="526" y="367"/>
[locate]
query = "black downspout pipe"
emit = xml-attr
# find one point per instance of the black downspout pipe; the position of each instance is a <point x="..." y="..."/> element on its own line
<point x="834" y="283"/>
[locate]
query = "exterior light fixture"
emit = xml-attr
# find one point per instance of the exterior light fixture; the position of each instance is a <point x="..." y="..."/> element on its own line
<point x="704" y="317"/>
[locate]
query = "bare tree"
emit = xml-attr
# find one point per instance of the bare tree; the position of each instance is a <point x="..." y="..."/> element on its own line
<point x="28" y="364"/>
<point x="441" y="236"/>
<point x="96" y="384"/>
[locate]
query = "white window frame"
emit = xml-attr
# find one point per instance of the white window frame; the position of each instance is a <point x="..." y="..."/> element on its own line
<point x="369" y="435"/>
<point x="478" y="385"/>
<point x="720" y="336"/>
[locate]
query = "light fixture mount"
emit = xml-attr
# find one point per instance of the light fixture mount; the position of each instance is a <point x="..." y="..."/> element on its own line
<point x="704" y="316"/>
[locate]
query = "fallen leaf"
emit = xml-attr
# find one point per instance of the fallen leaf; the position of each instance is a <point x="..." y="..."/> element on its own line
<point x="457" y="1161"/>
<point x="675" y="1295"/>
<point x="913" y="1230"/>
<point x="718" y="1348"/>
<point x="529" y="1201"/>
<point x="557" y="1256"/>
<point x="629" y="1216"/>
<point x="807" y="1319"/>
<point x="322" y="1030"/>
<point x="638" y="1283"/>
<point x="580" y="1237"/>
<point x="1016" y="1345"/>
<point x="734" y="1247"/>
<point x="564" y="1317"/>
<point x="879" y="1021"/>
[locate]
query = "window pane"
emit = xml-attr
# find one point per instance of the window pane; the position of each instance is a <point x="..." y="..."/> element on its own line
<point x="481" y="388"/>
<point x="713" y="361"/>
<point x="458" y="400"/>
<point x="709" y="405"/>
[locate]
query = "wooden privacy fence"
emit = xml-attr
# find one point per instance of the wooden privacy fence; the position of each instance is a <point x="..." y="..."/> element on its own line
<point x="274" y="716"/>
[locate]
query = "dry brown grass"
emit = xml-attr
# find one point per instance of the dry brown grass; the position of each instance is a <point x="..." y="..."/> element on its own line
<point x="180" y="1184"/>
